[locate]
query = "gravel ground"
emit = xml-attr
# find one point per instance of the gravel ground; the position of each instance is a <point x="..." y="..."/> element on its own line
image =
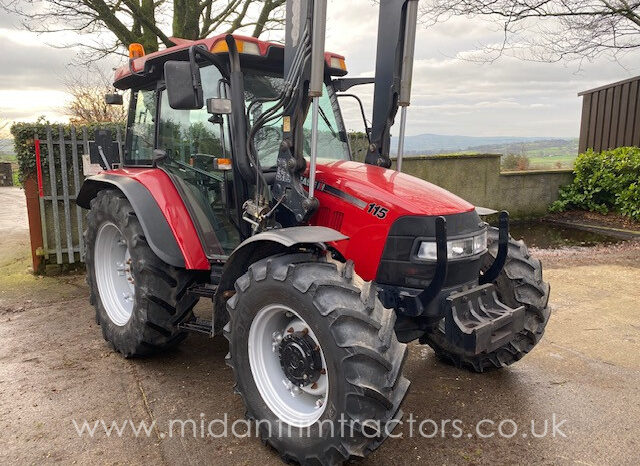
<point x="56" y="369"/>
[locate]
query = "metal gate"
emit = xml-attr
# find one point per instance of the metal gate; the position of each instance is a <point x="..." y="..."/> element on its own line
<point x="60" y="173"/>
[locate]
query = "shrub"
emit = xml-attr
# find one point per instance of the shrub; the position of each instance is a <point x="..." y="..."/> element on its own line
<point x="604" y="181"/>
<point x="23" y="136"/>
<point x="515" y="162"/>
<point x="359" y="144"/>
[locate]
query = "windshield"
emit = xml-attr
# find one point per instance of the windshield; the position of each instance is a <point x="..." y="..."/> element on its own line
<point x="332" y="138"/>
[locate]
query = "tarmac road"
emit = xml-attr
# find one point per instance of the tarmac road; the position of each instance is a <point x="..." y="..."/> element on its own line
<point x="55" y="369"/>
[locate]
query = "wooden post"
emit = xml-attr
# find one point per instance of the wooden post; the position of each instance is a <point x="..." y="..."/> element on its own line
<point x="35" y="226"/>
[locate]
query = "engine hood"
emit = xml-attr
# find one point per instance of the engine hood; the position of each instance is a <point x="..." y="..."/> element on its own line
<point x="402" y="194"/>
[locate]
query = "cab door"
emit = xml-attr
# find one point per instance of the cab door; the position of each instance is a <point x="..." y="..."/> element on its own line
<point x="194" y="154"/>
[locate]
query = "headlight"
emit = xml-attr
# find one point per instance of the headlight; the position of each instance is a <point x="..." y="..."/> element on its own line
<point x="456" y="248"/>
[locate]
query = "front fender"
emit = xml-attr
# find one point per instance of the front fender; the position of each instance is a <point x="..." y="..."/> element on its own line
<point x="260" y="246"/>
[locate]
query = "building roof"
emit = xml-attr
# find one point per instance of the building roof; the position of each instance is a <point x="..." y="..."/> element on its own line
<point x="607" y="86"/>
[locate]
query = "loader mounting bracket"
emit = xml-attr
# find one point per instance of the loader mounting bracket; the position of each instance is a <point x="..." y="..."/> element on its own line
<point x="288" y="185"/>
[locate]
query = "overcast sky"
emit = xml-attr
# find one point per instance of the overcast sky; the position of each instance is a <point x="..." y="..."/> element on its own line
<point x="450" y="95"/>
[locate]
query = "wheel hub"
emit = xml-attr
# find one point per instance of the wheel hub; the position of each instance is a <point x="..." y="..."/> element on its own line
<point x="300" y="358"/>
<point x="288" y="365"/>
<point x="116" y="285"/>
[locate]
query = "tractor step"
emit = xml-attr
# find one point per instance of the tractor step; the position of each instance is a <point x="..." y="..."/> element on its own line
<point x="478" y="322"/>
<point x="197" y="325"/>
<point x="204" y="291"/>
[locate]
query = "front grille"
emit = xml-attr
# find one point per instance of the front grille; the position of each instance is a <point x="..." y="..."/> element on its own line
<point x="330" y="218"/>
<point x="398" y="268"/>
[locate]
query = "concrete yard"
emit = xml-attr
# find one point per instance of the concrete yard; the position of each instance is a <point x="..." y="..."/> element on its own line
<point x="55" y="369"/>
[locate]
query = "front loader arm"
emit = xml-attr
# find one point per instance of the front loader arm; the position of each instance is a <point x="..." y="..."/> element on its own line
<point x="396" y="21"/>
<point x="291" y="164"/>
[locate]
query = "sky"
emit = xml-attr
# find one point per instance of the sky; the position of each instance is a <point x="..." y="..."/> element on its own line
<point x="451" y="95"/>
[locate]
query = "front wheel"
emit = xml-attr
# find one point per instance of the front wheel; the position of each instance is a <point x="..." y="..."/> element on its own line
<point x="315" y="358"/>
<point x="520" y="283"/>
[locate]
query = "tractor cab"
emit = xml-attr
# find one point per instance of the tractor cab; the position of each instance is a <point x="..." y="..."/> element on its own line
<point x="195" y="147"/>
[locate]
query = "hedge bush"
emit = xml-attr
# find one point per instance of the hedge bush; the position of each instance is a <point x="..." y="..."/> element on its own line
<point x="604" y="181"/>
<point x="515" y="162"/>
<point x="23" y="137"/>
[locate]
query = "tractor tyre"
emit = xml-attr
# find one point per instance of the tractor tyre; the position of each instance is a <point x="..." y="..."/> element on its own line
<point x="309" y="345"/>
<point x="139" y="299"/>
<point x="520" y="283"/>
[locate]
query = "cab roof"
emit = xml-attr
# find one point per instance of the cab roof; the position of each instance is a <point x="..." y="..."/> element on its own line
<point x="254" y="53"/>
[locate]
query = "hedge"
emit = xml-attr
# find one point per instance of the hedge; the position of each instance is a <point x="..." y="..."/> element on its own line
<point x="23" y="136"/>
<point x="604" y="181"/>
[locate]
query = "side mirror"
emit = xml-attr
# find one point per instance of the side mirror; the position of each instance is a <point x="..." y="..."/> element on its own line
<point x="219" y="106"/>
<point x="184" y="88"/>
<point x="113" y="99"/>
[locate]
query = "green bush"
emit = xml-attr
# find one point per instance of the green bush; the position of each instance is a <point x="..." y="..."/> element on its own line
<point x="24" y="134"/>
<point x="604" y="181"/>
<point x="515" y="162"/>
<point x="359" y="144"/>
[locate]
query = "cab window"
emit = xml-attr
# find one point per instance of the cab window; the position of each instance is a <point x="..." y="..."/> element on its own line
<point x="141" y="128"/>
<point x="332" y="137"/>
<point x="188" y="135"/>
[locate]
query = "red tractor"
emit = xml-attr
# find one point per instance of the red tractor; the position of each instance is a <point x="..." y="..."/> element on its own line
<point x="236" y="184"/>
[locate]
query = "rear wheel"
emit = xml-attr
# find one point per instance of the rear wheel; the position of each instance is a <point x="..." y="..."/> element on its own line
<point x="520" y="283"/>
<point x="310" y="345"/>
<point x="139" y="299"/>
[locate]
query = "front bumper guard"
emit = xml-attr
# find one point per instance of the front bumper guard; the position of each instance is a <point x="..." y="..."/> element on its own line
<point x="474" y="319"/>
<point x="416" y="305"/>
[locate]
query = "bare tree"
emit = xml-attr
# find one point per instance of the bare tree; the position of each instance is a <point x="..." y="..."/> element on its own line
<point x="87" y="104"/>
<point x="550" y="30"/>
<point x="4" y="127"/>
<point x="114" y="24"/>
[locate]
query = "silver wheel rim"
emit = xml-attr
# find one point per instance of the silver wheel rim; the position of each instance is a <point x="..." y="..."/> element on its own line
<point x="113" y="274"/>
<point x="294" y="405"/>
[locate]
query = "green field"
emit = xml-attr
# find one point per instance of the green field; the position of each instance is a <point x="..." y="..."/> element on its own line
<point x="551" y="162"/>
<point x="543" y="155"/>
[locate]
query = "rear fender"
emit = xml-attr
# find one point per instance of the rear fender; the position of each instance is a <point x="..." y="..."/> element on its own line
<point x="156" y="228"/>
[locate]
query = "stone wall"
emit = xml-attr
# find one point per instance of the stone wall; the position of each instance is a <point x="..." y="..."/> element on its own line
<point x="477" y="178"/>
<point x="6" y="174"/>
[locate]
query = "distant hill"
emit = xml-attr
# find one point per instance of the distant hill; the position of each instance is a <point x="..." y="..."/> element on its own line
<point x="438" y="143"/>
<point x="538" y="148"/>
